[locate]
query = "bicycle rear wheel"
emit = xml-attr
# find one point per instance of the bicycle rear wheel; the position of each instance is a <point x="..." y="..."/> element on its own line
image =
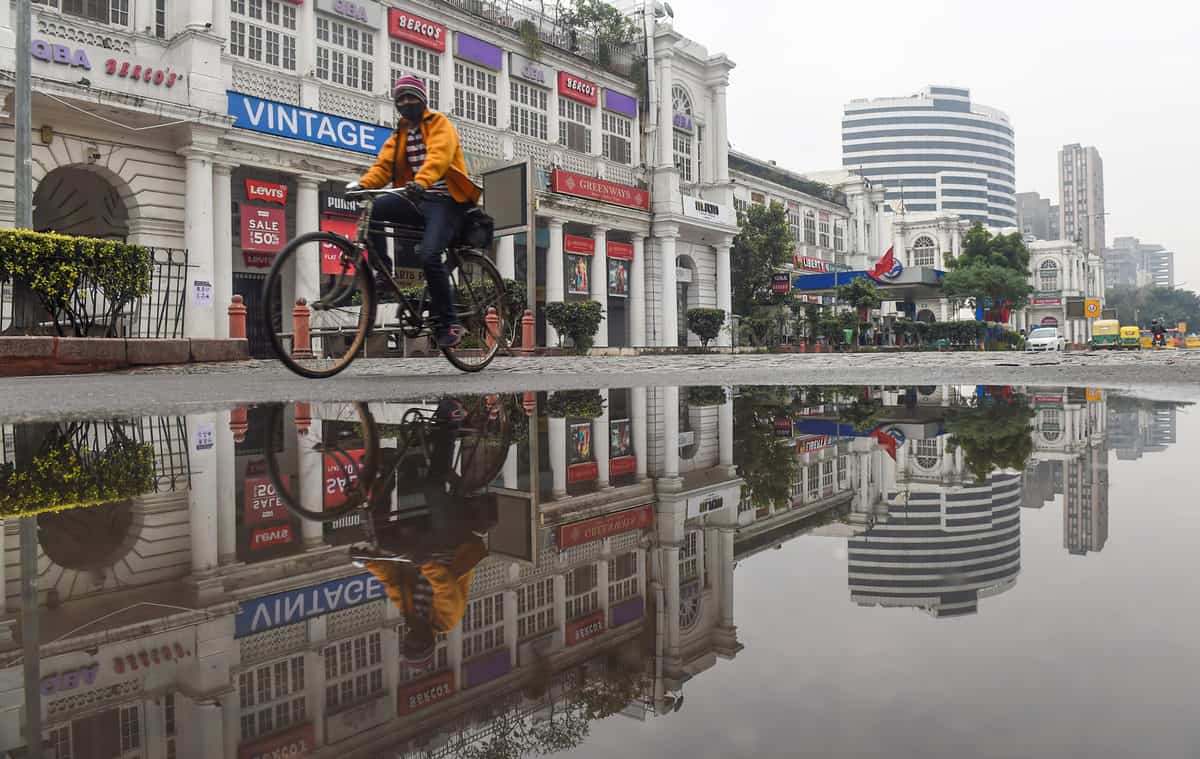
<point x="478" y="290"/>
<point x="483" y="442"/>
<point x="339" y="319"/>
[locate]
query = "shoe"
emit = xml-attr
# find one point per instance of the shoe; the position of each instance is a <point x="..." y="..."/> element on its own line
<point x="451" y="336"/>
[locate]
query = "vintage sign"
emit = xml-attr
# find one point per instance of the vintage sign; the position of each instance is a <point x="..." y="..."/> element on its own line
<point x="365" y="12"/>
<point x="570" y="183"/>
<point x="263" y="229"/>
<point x="531" y="71"/>
<point x="579" y="90"/>
<point x="599" y="528"/>
<point x="268" y="192"/>
<point x="341" y="475"/>
<point x="269" y="537"/>
<point x="293" y="122"/>
<point x="423" y="693"/>
<point x="292" y="744"/>
<point x="582" y="629"/>
<point x="405" y="26"/>
<point x="291" y="606"/>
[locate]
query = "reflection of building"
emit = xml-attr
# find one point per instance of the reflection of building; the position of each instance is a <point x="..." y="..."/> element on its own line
<point x="1137" y="427"/>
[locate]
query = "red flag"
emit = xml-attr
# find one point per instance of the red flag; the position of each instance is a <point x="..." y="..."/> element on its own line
<point x="885" y="264"/>
<point x="887" y="441"/>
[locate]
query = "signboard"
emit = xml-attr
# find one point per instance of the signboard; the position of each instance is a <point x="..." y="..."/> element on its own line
<point x="336" y="204"/>
<point x="584" y="628"/>
<point x="577" y="244"/>
<point x="202" y="292"/>
<point x="405" y="26"/>
<point x="206" y="436"/>
<point x="122" y="72"/>
<point x="808" y="263"/>
<point x="627" y="611"/>
<point x="268" y="192"/>
<point x="341" y="475"/>
<point x="622" y="465"/>
<point x="599" y="528"/>
<point x="271" y="537"/>
<point x="622" y="250"/>
<point x="531" y="71"/>
<point x="486" y="668"/>
<point x="1045" y="301"/>
<point x="579" y="90"/>
<point x="682" y="122"/>
<point x="365" y="12"/>
<point x="291" y="606"/>
<point x="331" y="255"/>
<point x="620" y="103"/>
<point x="422" y="693"/>
<point x="585" y="472"/>
<point x="261" y="502"/>
<point x="783" y="426"/>
<point x="477" y="51"/>
<point x="60" y="682"/>
<point x="263" y="229"/>
<point x="1091" y="308"/>
<point x="570" y="183"/>
<point x="781" y="283"/>
<point x="812" y="443"/>
<point x="296" y="123"/>
<point x="706" y="210"/>
<point x="296" y="742"/>
<point x="342" y="725"/>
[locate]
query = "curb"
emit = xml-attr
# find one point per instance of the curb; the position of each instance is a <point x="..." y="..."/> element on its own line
<point x="32" y="356"/>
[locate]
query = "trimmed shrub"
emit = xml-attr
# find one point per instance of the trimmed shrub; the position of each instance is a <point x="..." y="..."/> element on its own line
<point x="578" y="320"/>
<point x="706" y="323"/>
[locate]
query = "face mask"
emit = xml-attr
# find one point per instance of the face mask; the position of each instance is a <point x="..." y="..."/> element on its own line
<point x="412" y="112"/>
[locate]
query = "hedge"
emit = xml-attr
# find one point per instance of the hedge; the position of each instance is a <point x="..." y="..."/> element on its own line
<point x="65" y="477"/>
<point x="579" y="320"/>
<point x="577" y="404"/>
<point x="83" y="280"/>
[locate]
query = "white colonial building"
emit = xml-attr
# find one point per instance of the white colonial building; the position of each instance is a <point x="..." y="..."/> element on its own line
<point x="1063" y="276"/>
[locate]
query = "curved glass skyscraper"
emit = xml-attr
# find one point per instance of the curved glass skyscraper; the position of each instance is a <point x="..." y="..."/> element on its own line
<point x="936" y="151"/>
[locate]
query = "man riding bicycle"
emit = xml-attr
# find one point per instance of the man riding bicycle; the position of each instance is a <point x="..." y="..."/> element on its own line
<point x="424" y="157"/>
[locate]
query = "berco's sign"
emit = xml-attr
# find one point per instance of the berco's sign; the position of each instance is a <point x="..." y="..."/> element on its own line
<point x="570" y="183"/>
<point x="424" y="693"/>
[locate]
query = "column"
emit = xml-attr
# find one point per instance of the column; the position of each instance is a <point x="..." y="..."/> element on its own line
<point x="222" y="195"/>
<point x="558" y="455"/>
<point x="510" y="622"/>
<point x="666" y="110"/>
<point x="226" y="491"/>
<point x="308" y="261"/>
<point x="670" y="412"/>
<point x="202" y="495"/>
<point x="600" y="283"/>
<point x="720" y="132"/>
<point x="506" y="260"/>
<point x="311" y="466"/>
<point x="509" y="473"/>
<point x="637" y="293"/>
<point x="554" y="273"/>
<point x="600" y="442"/>
<point x="602" y="578"/>
<point x="560" y="606"/>
<point x="725" y="430"/>
<point x="725" y="538"/>
<point x="724" y="291"/>
<point x="637" y="416"/>
<point x="306" y="55"/>
<point x="198" y="237"/>
<point x="670" y="554"/>
<point x="668" y="334"/>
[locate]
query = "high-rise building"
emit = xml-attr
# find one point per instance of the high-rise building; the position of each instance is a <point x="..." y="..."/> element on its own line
<point x="1081" y="196"/>
<point x="936" y="151"/>
<point x="1132" y="263"/>
<point x="1037" y="216"/>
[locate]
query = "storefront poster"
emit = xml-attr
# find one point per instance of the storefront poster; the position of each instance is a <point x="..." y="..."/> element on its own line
<point x="618" y="277"/>
<point x="577" y="275"/>
<point x="581" y="442"/>
<point x="599" y="528"/>
<point x="341" y="475"/>
<point x="261" y="502"/>
<point x="620" y="438"/>
<point x="331" y="255"/>
<point x="264" y="230"/>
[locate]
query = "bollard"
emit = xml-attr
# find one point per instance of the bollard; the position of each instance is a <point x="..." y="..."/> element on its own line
<point x="301" y="341"/>
<point x="238" y="424"/>
<point x="493" y="327"/>
<point x="804" y="346"/>
<point x="303" y="417"/>
<point x="528" y="333"/>
<point x="237" y="317"/>
<point x="529" y="401"/>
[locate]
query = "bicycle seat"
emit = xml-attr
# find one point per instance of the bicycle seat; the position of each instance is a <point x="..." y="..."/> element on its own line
<point x="361" y="554"/>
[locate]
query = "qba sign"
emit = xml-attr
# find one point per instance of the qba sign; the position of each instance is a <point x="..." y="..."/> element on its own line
<point x="366" y="12"/>
<point x="293" y="606"/>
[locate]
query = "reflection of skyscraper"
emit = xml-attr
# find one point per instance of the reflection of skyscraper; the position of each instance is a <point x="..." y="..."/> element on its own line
<point x="1137" y="427"/>
<point x="1040" y="482"/>
<point x="942" y="549"/>
<point x="1085" y="502"/>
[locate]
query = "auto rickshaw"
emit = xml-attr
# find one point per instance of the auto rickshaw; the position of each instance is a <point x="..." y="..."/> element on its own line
<point x="1131" y="338"/>
<point x="1106" y="333"/>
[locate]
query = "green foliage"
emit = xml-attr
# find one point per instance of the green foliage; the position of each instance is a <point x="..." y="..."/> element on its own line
<point x="610" y="694"/>
<point x="1140" y="306"/>
<point x="860" y="294"/>
<point x="706" y="395"/>
<point x="578" y="320"/>
<point x="610" y="28"/>
<point x="763" y="245"/>
<point x="576" y="404"/>
<point x="757" y="328"/>
<point x="705" y="323"/>
<point x="64" y="476"/>
<point x="990" y="267"/>
<point x="530" y="38"/>
<point x="863" y="414"/>
<point x="994" y="435"/>
<point x="82" y="280"/>
<point x="767" y="465"/>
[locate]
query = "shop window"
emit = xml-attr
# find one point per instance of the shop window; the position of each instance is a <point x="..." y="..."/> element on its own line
<point x="793" y="220"/>
<point x="1048" y="277"/>
<point x="824" y="228"/>
<point x="353" y="671"/>
<point x="483" y="626"/>
<point x="475" y="93"/>
<point x="410" y="60"/>
<point x="810" y="226"/>
<point x="683" y="156"/>
<point x="618" y="137"/>
<point x="741" y="205"/>
<point x="345" y="54"/>
<point x="263" y="31"/>
<point x="839" y="237"/>
<point x="582" y="595"/>
<point x="103" y="11"/>
<point x="924" y="252"/>
<point x="623" y="577"/>
<point x="529" y="110"/>
<point x="272" y="697"/>
<point x="574" y="125"/>
<point x="160" y="19"/>
<point x="535" y="608"/>
<point x="441" y="658"/>
<point x="758" y="198"/>
<point x="689" y="557"/>
<point x="681" y="103"/>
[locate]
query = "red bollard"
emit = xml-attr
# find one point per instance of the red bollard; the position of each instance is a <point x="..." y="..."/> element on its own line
<point x="804" y="346"/>
<point x="529" y="401"/>
<point x="237" y="317"/>
<point x="493" y="326"/>
<point x="238" y="424"/>
<point x="303" y="417"/>
<point x="528" y="333"/>
<point x="301" y="341"/>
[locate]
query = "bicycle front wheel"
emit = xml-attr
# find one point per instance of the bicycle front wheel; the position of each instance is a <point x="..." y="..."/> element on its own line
<point x="479" y="299"/>
<point x="340" y="316"/>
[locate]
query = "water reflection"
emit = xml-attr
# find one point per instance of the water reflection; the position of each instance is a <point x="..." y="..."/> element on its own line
<point x="490" y="575"/>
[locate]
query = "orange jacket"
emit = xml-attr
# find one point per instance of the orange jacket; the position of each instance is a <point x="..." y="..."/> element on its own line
<point x="451" y="584"/>
<point x="443" y="160"/>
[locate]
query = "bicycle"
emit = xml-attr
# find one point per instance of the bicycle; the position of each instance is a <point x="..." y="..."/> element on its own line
<point x="344" y="316"/>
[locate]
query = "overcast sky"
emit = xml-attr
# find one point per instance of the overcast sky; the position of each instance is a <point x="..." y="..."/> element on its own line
<point x="1123" y="78"/>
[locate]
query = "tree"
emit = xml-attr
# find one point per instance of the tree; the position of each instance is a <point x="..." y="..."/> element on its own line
<point x="763" y="245"/>
<point x="994" y="434"/>
<point x="764" y="461"/>
<point x="579" y="320"/>
<point x="705" y="323"/>
<point x="992" y="269"/>
<point x="863" y="296"/>
<point x="1140" y="305"/>
<point x="606" y="24"/>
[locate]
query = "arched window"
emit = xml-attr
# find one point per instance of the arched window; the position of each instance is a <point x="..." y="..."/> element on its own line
<point x="683" y="135"/>
<point x="927" y="453"/>
<point x="1051" y="425"/>
<point x="1048" y="277"/>
<point x="924" y="251"/>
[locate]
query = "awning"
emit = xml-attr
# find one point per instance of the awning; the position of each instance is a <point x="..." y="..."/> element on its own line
<point x="912" y="284"/>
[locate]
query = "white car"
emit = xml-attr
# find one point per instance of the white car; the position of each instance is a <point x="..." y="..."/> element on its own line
<point x="1045" y="339"/>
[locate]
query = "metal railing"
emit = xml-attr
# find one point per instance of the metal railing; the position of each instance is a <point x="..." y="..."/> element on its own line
<point x="160" y="312"/>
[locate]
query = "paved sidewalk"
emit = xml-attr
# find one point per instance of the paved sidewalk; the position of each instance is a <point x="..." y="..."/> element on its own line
<point x="196" y="387"/>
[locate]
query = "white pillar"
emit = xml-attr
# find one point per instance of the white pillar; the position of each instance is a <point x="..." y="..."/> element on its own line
<point x="725" y="540"/>
<point x="226" y="491"/>
<point x="668" y="335"/>
<point x="222" y="195"/>
<point x="637" y="415"/>
<point x="600" y="442"/>
<point x="720" y="132"/>
<point x="666" y="110"/>
<point x="509" y="474"/>
<point x="724" y="292"/>
<point x="560" y="606"/>
<point x="557" y="429"/>
<point x="198" y="237"/>
<point x="202" y="495"/>
<point x="506" y="260"/>
<point x="637" y="293"/>
<point x="554" y="274"/>
<point x="725" y="430"/>
<point x="308" y="260"/>
<point x="311" y="465"/>
<point x="670" y="412"/>
<point x="670" y="554"/>
<point x="600" y="283"/>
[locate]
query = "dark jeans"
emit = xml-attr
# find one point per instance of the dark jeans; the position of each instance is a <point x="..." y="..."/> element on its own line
<point x="442" y="218"/>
